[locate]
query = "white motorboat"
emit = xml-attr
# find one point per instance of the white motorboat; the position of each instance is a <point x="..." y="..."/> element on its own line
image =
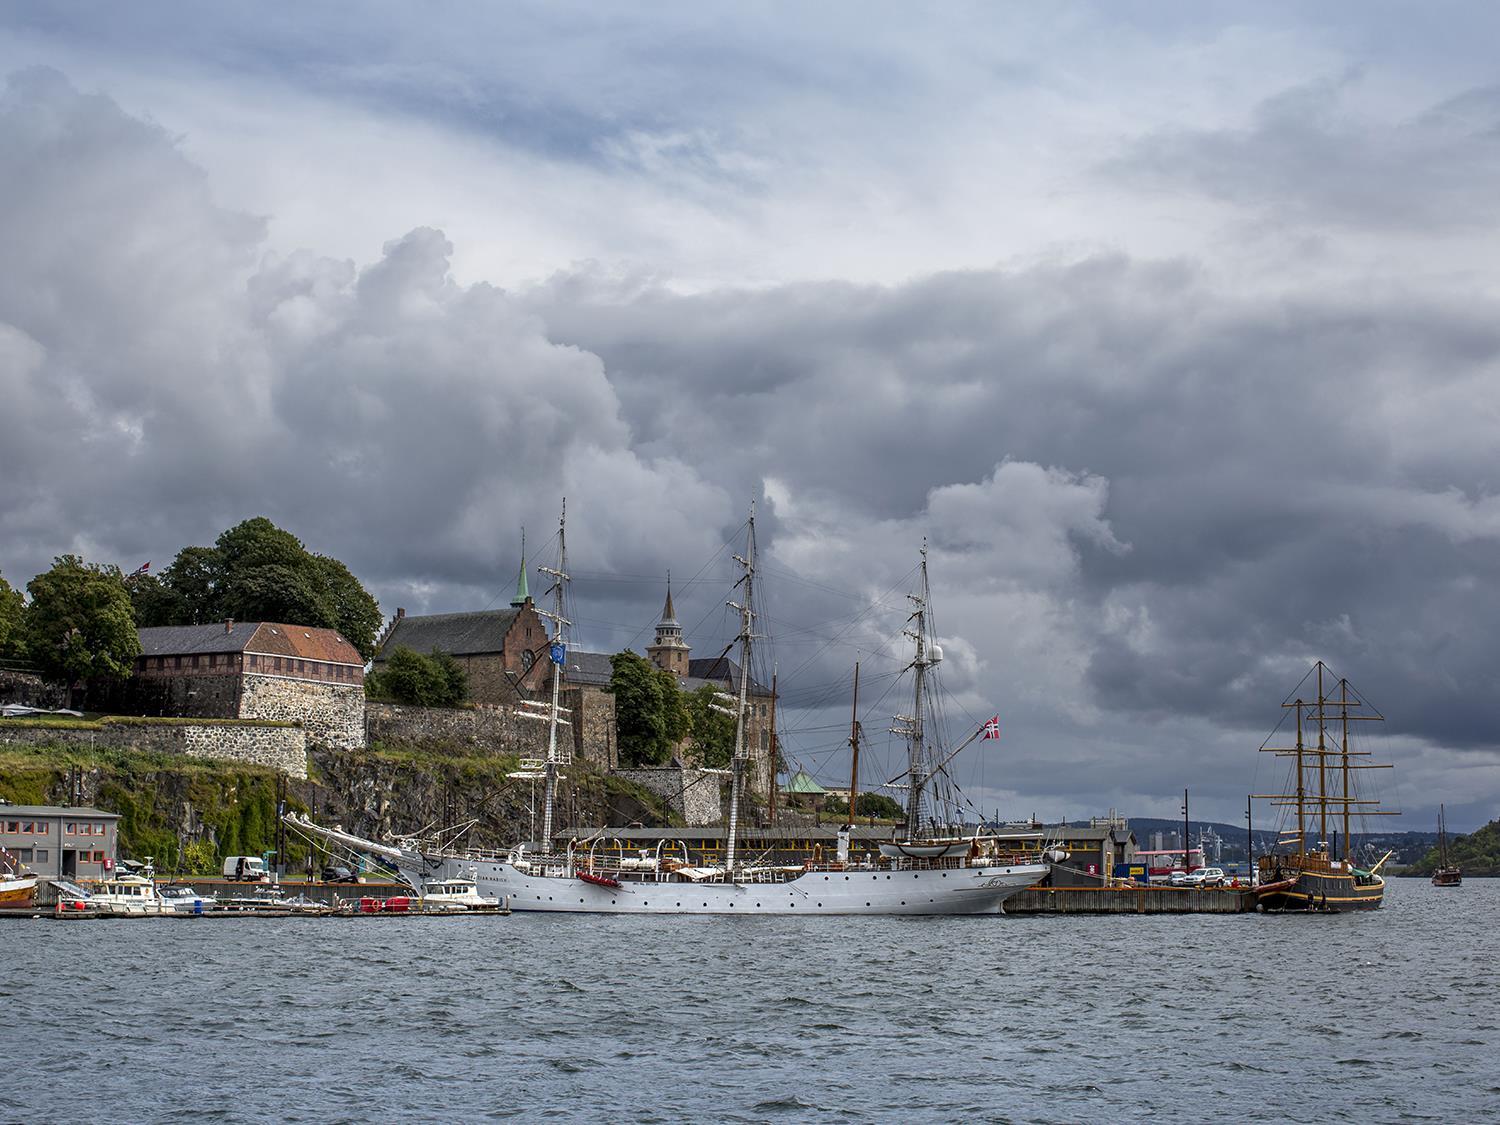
<point x="185" y="900"/>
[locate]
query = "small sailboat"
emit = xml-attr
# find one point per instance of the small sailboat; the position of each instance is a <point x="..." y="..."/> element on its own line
<point x="1448" y="874"/>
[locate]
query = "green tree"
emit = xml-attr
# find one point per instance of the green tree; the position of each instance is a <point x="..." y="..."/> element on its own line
<point x="79" y="625"/>
<point x="12" y="609"/>
<point x="648" y="710"/>
<point x="153" y="602"/>
<point x="256" y="571"/>
<point x="420" y="681"/>
<point x="877" y="805"/>
<point x="712" y="731"/>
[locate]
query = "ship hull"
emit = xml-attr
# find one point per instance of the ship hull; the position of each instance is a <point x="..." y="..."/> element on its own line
<point x="957" y="890"/>
<point x="15" y="893"/>
<point x="1447" y="877"/>
<point x="1330" y="891"/>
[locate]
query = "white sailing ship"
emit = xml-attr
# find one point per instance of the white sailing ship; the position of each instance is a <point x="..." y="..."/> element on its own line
<point x="948" y="875"/>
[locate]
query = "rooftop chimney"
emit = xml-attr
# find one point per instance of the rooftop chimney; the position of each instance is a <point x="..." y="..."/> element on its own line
<point x="400" y="613"/>
<point x="229" y="625"/>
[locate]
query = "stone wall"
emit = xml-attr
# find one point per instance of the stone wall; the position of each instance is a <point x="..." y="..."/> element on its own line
<point x="492" y="730"/>
<point x="31" y="690"/>
<point x="277" y="747"/>
<point x="194" y="695"/>
<point x="332" y="714"/>
<point x="593" y="725"/>
<point x="692" y="794"/>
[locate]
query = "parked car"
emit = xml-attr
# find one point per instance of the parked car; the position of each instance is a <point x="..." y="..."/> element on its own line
<point x="1208" y="877"/>
<point x="339" y="875"/>
<point x="1180" y="879"/>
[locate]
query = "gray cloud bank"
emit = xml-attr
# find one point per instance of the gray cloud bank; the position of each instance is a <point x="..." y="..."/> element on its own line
<point x="1151" y="502"/>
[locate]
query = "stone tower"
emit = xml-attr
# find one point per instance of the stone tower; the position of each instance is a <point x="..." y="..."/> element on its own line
<point x="669" y="652"/>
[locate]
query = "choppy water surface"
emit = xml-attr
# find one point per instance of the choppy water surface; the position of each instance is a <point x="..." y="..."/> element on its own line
<point x="1387" y="1016"/>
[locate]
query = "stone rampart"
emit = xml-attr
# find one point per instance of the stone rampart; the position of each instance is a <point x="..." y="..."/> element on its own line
<point x="277" y="747"/>
<point x="332" y="714"/>
<point x="30" y="690"/>
<point x="492" y="730"/>
<point x="692" y="794"/>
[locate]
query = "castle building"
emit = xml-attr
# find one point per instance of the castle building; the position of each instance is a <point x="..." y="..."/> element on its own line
<point x="254" y="670"/>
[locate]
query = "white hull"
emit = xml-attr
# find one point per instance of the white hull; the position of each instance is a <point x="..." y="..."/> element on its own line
<point x="954" y="890"/>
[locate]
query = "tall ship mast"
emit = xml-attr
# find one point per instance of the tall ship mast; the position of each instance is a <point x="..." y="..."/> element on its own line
<point x="739" y="764"/>
<point x="914" y="726"/>
<point x="1322" y="873"/>
<point x="971" y="875"/>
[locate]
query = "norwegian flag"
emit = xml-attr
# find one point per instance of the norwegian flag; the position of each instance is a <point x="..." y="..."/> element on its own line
<point x="992" y="728"/>
<point x="144" y="568"/>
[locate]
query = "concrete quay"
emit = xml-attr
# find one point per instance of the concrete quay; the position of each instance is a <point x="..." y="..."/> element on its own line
<point x="1132" y="900"/>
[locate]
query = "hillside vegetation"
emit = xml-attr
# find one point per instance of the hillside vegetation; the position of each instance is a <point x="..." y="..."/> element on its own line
<point x="189" y="813"/>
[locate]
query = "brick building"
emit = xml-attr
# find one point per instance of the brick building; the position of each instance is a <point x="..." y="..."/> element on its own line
<point x="253" y="670"/>
<point x="502" y="651"/>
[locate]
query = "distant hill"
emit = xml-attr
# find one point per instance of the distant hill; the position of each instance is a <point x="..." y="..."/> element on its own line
<point x="1477" y="854"/>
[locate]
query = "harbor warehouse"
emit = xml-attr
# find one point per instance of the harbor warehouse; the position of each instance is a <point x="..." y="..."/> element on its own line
<point x="60" y="843"/>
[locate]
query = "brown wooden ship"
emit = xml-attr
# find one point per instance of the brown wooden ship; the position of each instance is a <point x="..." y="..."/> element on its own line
<point x="1314" y="875"/>
<point x="1447" y="874"/>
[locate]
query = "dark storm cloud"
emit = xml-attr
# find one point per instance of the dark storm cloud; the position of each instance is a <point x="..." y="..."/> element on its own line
<point x="1294" y="477"/>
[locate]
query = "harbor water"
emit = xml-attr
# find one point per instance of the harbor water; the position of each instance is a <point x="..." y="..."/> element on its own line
<point x="1391" y="1015"/>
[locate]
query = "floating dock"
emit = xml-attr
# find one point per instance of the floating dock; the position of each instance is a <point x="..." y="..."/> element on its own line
<point x="1132" y="900"/>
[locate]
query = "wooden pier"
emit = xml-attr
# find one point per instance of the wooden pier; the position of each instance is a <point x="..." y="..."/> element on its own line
<point x="1132" y="900"/>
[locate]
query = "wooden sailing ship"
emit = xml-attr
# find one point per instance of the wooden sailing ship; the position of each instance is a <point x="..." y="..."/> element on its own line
<point x="1303" y="874"/>
<point x="1448" y="874"/>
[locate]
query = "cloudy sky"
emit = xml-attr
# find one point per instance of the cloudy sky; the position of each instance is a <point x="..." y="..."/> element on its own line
<point x="1173" y="329"/>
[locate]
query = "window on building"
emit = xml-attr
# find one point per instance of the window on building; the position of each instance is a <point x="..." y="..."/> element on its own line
<point x="176" y="662"/>
<point x="98" y="857"/>
<point x="195" y="661"/>
<point x="13" y="826"/>
<point x="41" y="855"/>
<point x="276" y="663"/>
<point x="71" y="829"/>
<point x="28" y="826"/>
<point x="23" y="854"/>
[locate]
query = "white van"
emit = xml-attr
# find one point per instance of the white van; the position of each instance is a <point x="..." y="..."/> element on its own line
<point x="246" y="869"/>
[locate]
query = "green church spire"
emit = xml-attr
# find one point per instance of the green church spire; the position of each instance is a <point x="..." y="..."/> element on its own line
<point x="523" y="595"/>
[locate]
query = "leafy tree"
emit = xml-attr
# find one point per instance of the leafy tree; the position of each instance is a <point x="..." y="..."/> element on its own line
<point x="420" y="681"/>
<point x="650" y="718"/>
<point x="355" y="613"/>
<point x="256" y="571"/>
<point x="712" y="731"/>
<point x="877" y="805"/>
<point x="153" y="602"/>
<point x="79" y="625"/>
<point x="12" y="608"/>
